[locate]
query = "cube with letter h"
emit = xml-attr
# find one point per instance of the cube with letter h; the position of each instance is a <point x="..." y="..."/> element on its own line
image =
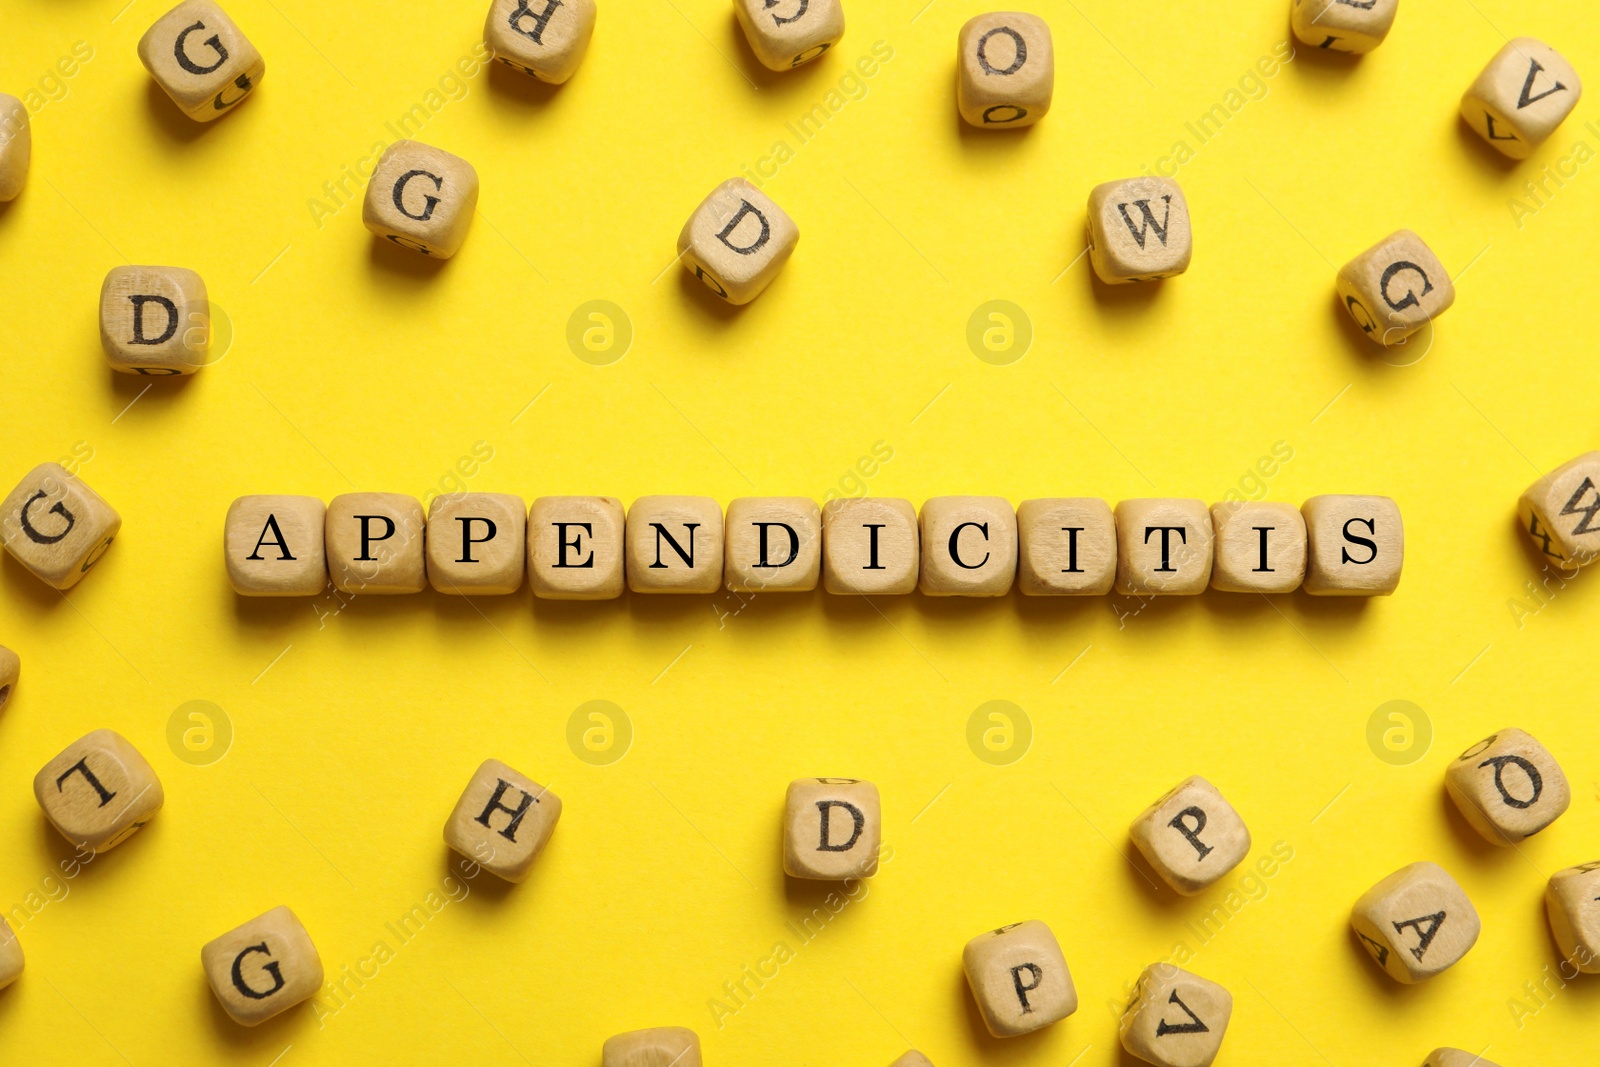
<point x="832" y="829"/>
<point x="502" y="821"/>
<point x="201" y="59"/>
<point x="263" y="968"/>
<point x="737" y="241"/>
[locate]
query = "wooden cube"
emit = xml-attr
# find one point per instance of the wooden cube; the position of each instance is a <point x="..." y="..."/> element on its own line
<point x="1164" y="547"/>
<point x="1454" y="1057"/>
<point x="502" y="821"/>
<point x="1416" y="922"/>
<point x="1139" y="230"/>
<point x="969" y="546"/>
<point x="1395" y="288"/>
<point x="1191" y="836"/>
<point x="1342" y="25"/>
<point x="56" y="526"/>
<point x="1019" y="978"/>
<point x="1561" y="512"/>
<point x="263" y="968"/>
<point x="787" y="33"/>
<point x="16" y="146"/>
<point x="1067" y="547"/>
<point x="10" y="671"/>
<point x="1355" y="545"/>
<point x="201" y="59"/>
<point x="661" y="1046"/>
<point x="1260" y="547"/>
<point x="1508" y="787"/>
<point x="912" y="1058"/>
<point x="674" y="545"/>
<point x="1573" y="902"/>
<point x="374" y="543"/>
<point x="421" y="198"/>
<point x="10" y="955"/>
<point x="274" y="547"/>
<point x="737" y="241"/>
<point x="155" y="321"/>
<point x="870" y="547"/>
<point x="1526" y="91"/>
<point x="1176" y="1019"/>
<point x="544" y="38"/>
<point x="1005" y="70"/>
<point x="832" y="829"/>
<point x="774" y="544"/>
<point x="98" y="791"/>
<point x="477" y="543"/>
<point x="575" y="547"/>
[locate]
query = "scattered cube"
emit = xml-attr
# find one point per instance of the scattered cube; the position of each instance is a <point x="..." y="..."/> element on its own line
<point x="912" y="1058"/>
<point x="421" y="198"/>
<point x="374" y="543"/>
<point x="1395" y="288"/>
<point x="832" y="828"/>
<point x="155" y="321"/>
<point x="737" y="241"/>
<point x="1164" y="547"/>
<point x="98" y="791"/>
<point x="870" y="547"/>
<point x="263" y="968"/>
<point x="575" y="547"/>
<point x="16" y="146"/>
<point x="1342" y="25"/>
<point x="787" y="33"/>
<point x="1454" y="1057"/>
<point x="674" y="545"/>
<point x="544" y="38"/>
<point x="1573" y="901"/>
<point x="477" y="543"/>
<point x="56" y="526"/>
<point x="774" y="544"/>
<point x="10" y="955"/>
<point x="274" y="545"/>
<point x="10" y="671"/>
<point x="969" y="546"/>
<point x="1191" y="836"/>
<point x="1260" y="547"/>
<point x="1176" y="1019"/>
<point x="1067" y="547"/>
<point x="201" y="59"/>
<point x="661" y="1046"/>
<point x="1355" y="545"/>
<point x="1139" y="230"/>
<point x="1526" y="91"/>
<point x="1019" y="978"/>
<point x="1508" y="787"/>
<point x="1416" y="922"/>
<point x="1561" y="512"/>
<point x="1005" y="70"/>
<point x="502" y="821"/>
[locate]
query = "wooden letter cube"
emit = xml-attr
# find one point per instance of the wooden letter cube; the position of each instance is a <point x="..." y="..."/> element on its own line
<point x="1416" y="922"/>
<point x="870" y="546"/>
<point x="1139" y="230"/>
<point x="1508" y="787"/>
<point x="16" y="146"/>
<point x="1019" y="978"/>
<point x="10" y="671"/>
<point x="969" y="546"/>
<point x="737" y="241"/>
<point x="502" y="821"/>
<point x="1354" y="26"/>
<point x="1355" y="545"/>
<point x="155" y="321"/>
<point x="1005" y="70"/>
<point x="1191" y="836"/>
<point x="832" y="828"/>
<point x="263" y="968"/>
<point x="1525" y="92"/>
<point x="1454" y="1057"/>
<point x="98" y="791"/>
<point x="273" y="545"/>
<point x="201" y="59"/>
<point x="575" y="547"/>
<point x="56" y="526"/>
<point x="1176" y="1019"/>
<point x="1068" y="547"/>
<point x="374" y="543"/>
<point x="912" y="1058"/>
<point x="421" y="198"/>
<point x="774" y="544"/>
<point x="10" y="955"/>
<point x="674" y="545"/>
<point x="477" y="543"/>
<point x="1561" y="512"/>
<point x="661" y="1046"/>
<point x="1573" y="901"/>
<point x="544" y="38"/>
<point x="786" y="33"/>
<point x="1261" y="547"/>
<point x="1164" y="547"/>
<point x="1395" y="288"/>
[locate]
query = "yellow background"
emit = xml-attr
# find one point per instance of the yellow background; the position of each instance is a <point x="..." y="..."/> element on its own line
<point x="358" y="366"/>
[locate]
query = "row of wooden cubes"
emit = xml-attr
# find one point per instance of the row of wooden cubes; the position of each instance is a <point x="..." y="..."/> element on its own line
<point x="588" y="547"/>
